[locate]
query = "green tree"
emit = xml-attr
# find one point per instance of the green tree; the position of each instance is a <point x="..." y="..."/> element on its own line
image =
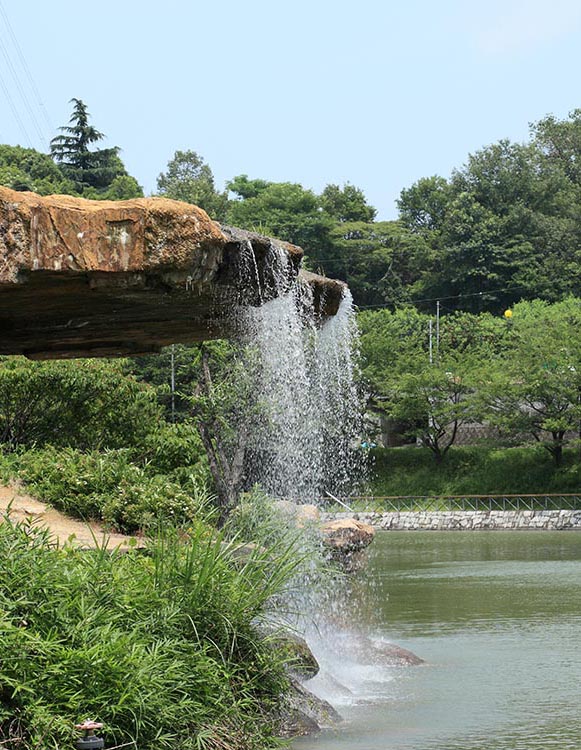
<point x="423" y="206"/>
<point x="506" y="225"/>
<point x="220" y="403"/>
<point x="27" y="169"/>
<point x="347" y="204"/>
<point x="89" y="169"/>
<point x="428" y="394"/>
<point x="244" y="188"/>
<point x="392" y="343"/>
<point x="123" y="187"/>
<point x="560" y="143"/>
<point x="188" y="178"/>
<point x="535" y="386"/>
<point x="436" y="400"/>
<point x="282" y="209"/>
<point x="83" y="404"/>
<point x="383" y="262"/>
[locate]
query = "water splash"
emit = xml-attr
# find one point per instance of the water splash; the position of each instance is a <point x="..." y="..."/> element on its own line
<point x="347" y="675"/>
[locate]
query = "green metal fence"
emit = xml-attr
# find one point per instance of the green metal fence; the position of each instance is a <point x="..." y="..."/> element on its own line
<point x="373" y="504"/>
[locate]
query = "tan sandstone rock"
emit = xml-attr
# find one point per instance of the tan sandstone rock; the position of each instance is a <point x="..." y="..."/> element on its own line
<point x="347" y="534"/>
<point x="110" y="278"/>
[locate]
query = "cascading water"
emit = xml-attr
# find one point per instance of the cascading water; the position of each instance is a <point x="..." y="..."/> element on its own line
<point x="307" y="420"/>
<point x="305" y="424"/>
<point x="336" y="399"/>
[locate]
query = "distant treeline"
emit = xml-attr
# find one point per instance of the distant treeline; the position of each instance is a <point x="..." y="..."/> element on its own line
<point x="503" y="227"/>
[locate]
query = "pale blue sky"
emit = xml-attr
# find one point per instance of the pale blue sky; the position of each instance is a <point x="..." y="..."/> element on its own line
<point x="374" y="93"/>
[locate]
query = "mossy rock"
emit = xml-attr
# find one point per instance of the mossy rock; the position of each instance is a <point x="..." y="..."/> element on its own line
<point x="300" y="660"/>
<point x="305" y="713"/>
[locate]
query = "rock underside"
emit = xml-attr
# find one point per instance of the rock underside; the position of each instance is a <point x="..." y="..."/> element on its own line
<point x="110" y="278"/>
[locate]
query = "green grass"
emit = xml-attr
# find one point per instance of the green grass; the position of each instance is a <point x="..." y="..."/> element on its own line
<point x="161" y="646"/>
<point x="472" y="471"/>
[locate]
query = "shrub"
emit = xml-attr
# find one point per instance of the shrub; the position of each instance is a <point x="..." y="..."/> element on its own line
<point x="108" y="487"/>
<point x="88" y="404"/>
<point x="172" y="447"/>
<point x="473" y="470"/>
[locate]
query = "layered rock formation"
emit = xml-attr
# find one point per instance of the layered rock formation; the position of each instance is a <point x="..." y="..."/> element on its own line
<point x="101" y="278"/>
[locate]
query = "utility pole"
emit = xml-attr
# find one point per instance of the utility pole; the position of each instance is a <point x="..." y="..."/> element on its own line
<point x="430" y="327"/>
<point x="173" y="383"/>
<point x="437" y="330"/>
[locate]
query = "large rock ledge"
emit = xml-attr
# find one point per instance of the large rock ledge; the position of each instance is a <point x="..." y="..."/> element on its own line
<point x="110" y="278"/>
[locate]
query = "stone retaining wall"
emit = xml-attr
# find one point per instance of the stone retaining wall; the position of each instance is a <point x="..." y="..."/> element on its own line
<point x="469" y="520"/>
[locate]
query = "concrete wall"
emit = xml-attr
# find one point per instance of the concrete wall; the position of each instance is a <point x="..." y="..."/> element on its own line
<point x="469" y="520"/>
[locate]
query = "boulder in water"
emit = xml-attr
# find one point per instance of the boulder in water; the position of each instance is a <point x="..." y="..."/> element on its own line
<point x="368" y="650"/>
<point x="396" y="656"/>
<point x="300" y="660"/>
<point x="305" y="713"/>
<point x="346" y="538"/>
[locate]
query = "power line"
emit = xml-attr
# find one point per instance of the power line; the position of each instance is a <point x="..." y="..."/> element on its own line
<point x="28" y="74"/>
<point x="14" y="110"/>
<point x="20" y="89"/>
<point x="450" y="296"/>
<point x="26" y="68"/>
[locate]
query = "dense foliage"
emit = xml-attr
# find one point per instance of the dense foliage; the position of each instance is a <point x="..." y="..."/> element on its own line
<point x="162" y="646"/>
<point x="521" y="373"/>
<point x="473" y="470"/>
<point x="115" y="487"/>
<point x="505" y="226"/>
<point x="87" y="404"/>
<point x="27" y="169"/>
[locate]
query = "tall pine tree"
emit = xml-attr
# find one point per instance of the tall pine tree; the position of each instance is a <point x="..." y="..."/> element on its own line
<point x="86" y="168"/>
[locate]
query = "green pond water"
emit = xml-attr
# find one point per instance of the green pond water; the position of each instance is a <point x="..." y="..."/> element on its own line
<point x="497" y="618"/>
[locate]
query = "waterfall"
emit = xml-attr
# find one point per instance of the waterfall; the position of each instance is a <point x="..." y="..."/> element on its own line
<point x="306" y="422"/>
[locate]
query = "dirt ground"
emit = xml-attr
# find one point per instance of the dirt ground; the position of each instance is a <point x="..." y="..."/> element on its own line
<point x="19" y="506"/>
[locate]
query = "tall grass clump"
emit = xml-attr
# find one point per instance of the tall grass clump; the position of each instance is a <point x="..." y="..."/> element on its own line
<point x="162" y="646"/>
<point x="273" y="526"/>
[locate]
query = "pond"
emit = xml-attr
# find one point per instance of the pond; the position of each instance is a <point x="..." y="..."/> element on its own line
<point x="497" y="618"/>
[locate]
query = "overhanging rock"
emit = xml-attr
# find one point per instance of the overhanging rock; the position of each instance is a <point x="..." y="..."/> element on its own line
<point x="85" y="278"/>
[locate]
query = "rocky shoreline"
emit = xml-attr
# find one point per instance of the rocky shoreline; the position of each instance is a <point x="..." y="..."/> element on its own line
<point x="467" y="520"/>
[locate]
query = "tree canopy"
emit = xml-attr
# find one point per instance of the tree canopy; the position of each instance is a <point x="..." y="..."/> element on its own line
<point x="188" y="178"/>
<point x="506" y="225"/>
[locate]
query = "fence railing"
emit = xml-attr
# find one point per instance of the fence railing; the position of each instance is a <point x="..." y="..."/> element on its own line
<point x="375" y="504"/>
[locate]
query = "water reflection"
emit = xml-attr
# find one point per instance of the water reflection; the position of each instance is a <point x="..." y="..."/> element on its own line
<point x="496" y="616"/>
